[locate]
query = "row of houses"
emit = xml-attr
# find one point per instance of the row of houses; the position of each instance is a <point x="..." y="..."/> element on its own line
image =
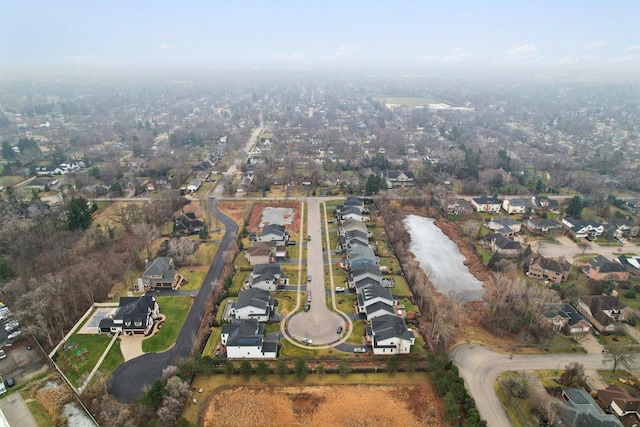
<point x="386" y="332"/>
<point x="244" y="337"/>
<point x="601" y="312"/>
<point x="269" y="246"/>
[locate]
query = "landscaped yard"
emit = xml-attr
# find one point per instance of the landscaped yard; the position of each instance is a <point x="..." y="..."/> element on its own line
<point x="176" y="309"/>
<point x="79" y="355"/>
<point x="113" y="359"/>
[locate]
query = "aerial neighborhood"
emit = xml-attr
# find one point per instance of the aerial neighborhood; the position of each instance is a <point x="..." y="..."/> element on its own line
<point x="476" y="250"/>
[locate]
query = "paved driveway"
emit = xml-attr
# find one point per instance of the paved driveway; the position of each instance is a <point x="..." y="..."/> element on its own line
<point x="17" y="412"/>
<point x="569" y="249"/>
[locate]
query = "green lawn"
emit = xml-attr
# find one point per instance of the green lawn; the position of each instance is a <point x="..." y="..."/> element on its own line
<point x="39" y="413"/>
<point x="195" y="277"/>
<point x="345" y="302"/>
<point x="286" y="302"/>
<point x="214" y="338"/>
<point x="400" y="286"/>
<point x="82" y="354"/>
<point x="357" y="333"/>
<point x="176" y="309"/>
<point x="113" y="359"/>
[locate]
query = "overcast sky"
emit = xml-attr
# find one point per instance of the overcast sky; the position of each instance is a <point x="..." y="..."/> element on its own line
<point x="319" y="34"/>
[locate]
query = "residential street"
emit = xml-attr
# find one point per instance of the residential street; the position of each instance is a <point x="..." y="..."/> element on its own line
<point x="480" y="367"/>
<point x="319" y="323"/>
<point x="568" y="249"/>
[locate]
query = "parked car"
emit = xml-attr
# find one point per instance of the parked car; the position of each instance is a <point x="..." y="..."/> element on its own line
<point x="308" y="238"/>
<point x="307" y="307"/>
<point x="9" y="382"/>
<point x="306" y="340"/>
<point x="12" y="325"/>
<point x="15" y="334"/>
<point x="359" y="350"/>
<point x="340" y="289"/>
<point x="3" y="354"/>
<point x="308" y="278"/>
<point x="339" y="330"/>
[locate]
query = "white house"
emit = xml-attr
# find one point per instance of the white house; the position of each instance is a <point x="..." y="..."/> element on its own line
<point x="582" y="228"/>
<point x="194" y="185"/>
<point x="134" y="316"/>
<point x="266" y="276"/>
<point x="253" y="303"/>
<point x="244" y="340"/>
<point x="514" y="206"/>
<point x="486" y="204"/>
<point x="389" y="335"/>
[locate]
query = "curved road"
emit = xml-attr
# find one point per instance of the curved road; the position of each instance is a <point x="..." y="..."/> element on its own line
<point x="480" y="367"/>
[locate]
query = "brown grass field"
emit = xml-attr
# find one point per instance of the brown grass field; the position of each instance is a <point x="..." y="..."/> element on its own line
<point x="341" y="405"/>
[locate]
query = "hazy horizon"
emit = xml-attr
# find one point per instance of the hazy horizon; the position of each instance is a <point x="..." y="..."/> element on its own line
<point x="422" y="36"/>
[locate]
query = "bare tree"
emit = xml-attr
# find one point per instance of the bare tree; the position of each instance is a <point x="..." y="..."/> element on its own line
<point x="573" y="375"/>
<point x="147" y="233"/>
<point x="583" y="246"/>
<point x="619" y="356"/>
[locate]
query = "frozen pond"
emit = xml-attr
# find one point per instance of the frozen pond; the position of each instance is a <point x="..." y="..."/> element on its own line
<point x="280" y="216"/>
<point x="441" y="259"/>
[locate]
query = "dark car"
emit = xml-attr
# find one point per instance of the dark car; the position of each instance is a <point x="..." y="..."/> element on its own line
<point x="307" y="307"/>
<point x="9" y="382"/>
<point x="339" y="330"/>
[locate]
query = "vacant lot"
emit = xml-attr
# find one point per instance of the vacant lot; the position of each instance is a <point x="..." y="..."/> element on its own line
<point x="323" y="406"/>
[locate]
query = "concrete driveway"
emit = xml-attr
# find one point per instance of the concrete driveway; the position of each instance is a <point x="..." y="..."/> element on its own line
<point x="16" y="411"/>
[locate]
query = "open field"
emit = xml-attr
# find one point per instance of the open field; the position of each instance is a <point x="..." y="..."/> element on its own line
<point x="408" y="403"/>
<point x="409" y="101"/>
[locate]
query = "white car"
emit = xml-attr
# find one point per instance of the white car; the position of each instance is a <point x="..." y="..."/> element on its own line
<point x="359" y="350"/>
<point x="306" y="340"/>
<point x="340" y="289"/>
<point x="15" y="334"/>
<point x="11" y="325"/>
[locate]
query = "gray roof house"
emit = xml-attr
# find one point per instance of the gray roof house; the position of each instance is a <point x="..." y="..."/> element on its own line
<point x="159" y="273"/>
<point x="389" y="335"/>
<point x="581" y="410"/>
<point x="245" y="339"/>
<point x="134" y="316"/>
<point x="253" y="303"/>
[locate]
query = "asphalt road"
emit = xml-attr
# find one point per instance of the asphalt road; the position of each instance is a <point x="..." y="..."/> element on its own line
<point x="480" y="367"/>
<point x="129" y="379"/>
<point x="319" y="323"/>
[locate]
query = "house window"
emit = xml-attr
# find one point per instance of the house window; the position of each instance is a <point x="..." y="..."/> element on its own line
<point x="137" y="323"/>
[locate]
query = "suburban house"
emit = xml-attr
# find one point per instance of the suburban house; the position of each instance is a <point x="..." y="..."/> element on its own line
<point x="378" y="309"/>
<point x="544" y="227"/>
<point x="452" y="205"/>
<point x="397" y="179"/>
<point x="159" y="273"/>
<point x="505" y="226"/>
<point x="631" y="263"/>
<point x="515" y="206"/>
<point x="619" y="402"/>
<point x="486" y="204"/>
<point x="623" y="228"/>
<point x="266" y="276"/>
<point x="544" y="203"/>
<point x="187" y="224"/>
<point x="389" y="335"/>
<point x="579" y="409"/>
<point x="503" y="245"/>
<point x="603" y="311"/>
<point x="600" y="268"/>
<point x="350" y="212"/>
<point x="354" y="201"/>
<point x="365" y="271"/>
<point x="353" y="225"/>
<point x="555" y="271"/>
<point x="361" y="254"/>
<point x="194" y="185"/>
<point x="354" y="238"/>
<point x="564" y="317"/>
<point x="253" y="303"/>
<point x="582" y="228"/>
<point x="273" y="233"/>
<point x="244" y="339"/>
<point x="200" y="167"/>
<point x="373" y="294"/>
<point x="134" y="316"/>
<point x="260" y="255"/>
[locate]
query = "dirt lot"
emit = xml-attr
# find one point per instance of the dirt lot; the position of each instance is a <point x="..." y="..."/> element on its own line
<point x="237" y="211"/>
<point x="324" y="406"/>
<point x="256" y="215"/>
